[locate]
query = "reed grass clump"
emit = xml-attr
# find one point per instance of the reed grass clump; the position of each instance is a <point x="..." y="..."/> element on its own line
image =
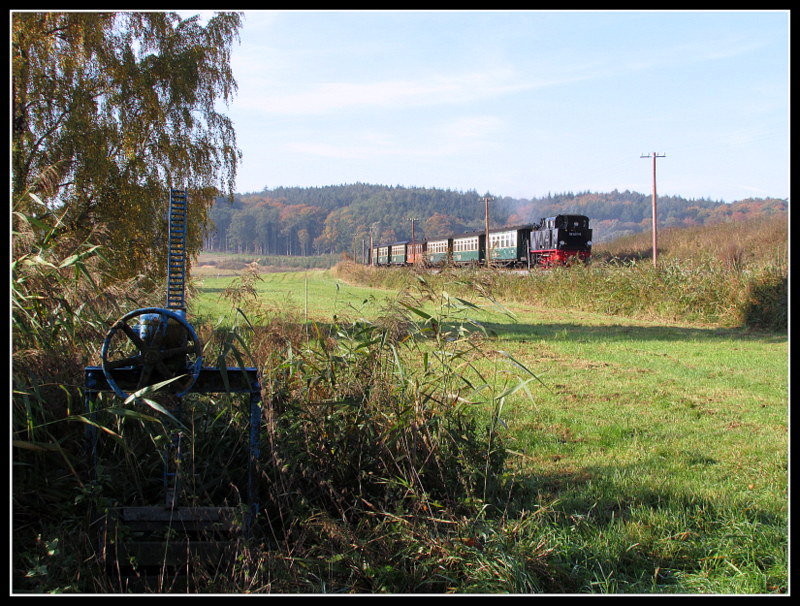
<point x="384" y="443"/>
<point x="62" y="296"/>
<point x="391" y="415"/>
<point x="674" y="291"/>
<point x="767" y="298"/>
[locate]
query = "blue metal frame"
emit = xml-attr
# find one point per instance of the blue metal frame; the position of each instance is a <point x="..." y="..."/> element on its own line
<point x="232" y="380"/>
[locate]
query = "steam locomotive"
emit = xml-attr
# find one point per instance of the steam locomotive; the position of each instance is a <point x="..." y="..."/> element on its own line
<point x="553" y="241"/>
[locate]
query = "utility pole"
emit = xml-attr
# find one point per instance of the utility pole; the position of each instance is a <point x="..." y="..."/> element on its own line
<point x="413" y="255"/>
<point x="486" y="199"/>
<point x="372" y="229"/>
<point x="654" y="155"/>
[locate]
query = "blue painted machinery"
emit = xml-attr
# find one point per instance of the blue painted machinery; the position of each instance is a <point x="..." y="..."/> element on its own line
<point x="154" y="352"/>
<point x="153" y="345"/>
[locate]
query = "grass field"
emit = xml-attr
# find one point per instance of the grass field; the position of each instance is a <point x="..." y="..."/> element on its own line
<point x="652" y="457"/>
<point x="314" y="292"/>
<point x="615" y="428"/>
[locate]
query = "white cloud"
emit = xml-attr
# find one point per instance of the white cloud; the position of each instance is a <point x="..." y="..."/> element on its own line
<point x="452" y="138"/>
<point x="275" y="97"/>
<point x="417" y="100"/>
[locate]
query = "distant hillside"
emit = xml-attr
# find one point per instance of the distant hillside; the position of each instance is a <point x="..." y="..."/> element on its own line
<point x="340" y="218"/>
<point x="618" y="213"/>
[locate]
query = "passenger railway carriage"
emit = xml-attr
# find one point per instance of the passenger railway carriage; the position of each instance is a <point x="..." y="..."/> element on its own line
<point x="416" y="252"/>
<point x="469" y="248"/>
<point x="509" y="247"/>
<point x="437" y="252"/>
<point x="398" y="253"/>
<point x="380" y="255"/>
<point x="552" y="241"/>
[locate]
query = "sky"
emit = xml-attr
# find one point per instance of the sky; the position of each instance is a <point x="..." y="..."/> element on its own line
<point x="515" y="103"/>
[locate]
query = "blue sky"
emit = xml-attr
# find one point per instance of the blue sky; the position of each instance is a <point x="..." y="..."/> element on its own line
<point x="516" y="103"/>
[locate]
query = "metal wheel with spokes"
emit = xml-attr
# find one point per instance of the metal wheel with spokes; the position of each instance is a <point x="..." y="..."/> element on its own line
<point x="149" y="346"/>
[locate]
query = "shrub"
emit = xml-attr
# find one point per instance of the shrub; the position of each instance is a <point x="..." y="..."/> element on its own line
<point x="766" y="301"/>
<point x="387" y="416"/>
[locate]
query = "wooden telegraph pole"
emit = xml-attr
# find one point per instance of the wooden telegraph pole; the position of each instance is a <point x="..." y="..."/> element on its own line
<point x="654" y="155"/>
<point x="486" y="199"/>
<point x="413" y="254"/>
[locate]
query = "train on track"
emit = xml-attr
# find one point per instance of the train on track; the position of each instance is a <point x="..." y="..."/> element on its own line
<point x="553" y="241"/>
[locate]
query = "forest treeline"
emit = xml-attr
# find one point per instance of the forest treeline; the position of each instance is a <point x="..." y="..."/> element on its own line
<point x="340" y="218"/>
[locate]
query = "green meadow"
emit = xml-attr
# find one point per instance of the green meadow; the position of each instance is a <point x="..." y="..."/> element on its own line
<point x="640" y="455"/>
<point x="313" y="294"/>
<point x="611" y="428"/>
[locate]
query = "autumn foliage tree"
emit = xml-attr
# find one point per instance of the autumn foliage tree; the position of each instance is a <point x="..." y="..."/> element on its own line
<point x="109" y="111"/>
<point x="440" y="225"/>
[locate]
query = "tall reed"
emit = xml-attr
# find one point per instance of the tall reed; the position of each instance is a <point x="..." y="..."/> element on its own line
<point x="382" y="414"/>
<point x="63" y="297"/>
